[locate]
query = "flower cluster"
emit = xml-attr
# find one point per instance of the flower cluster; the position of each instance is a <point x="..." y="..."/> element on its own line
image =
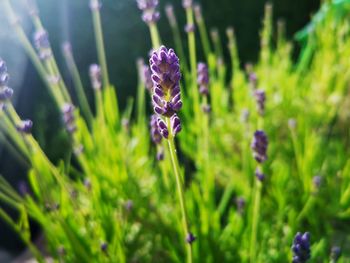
<point x="5" y="92"/>
<point x="25" y="126"/>
<point x="68" y="118"/>
<point x="259" y="146"/>
<point x="203" y="82"/>
<point x="187" y="3"/>
<point x="156" y="136"/>
<point x="95" y="76"/>
<point x="147" y="78"/>
<point x="148" y="7"/>
<point x="335" y="253"/>
<point x="42" y="44"/>
<point x="301" y="248"/>
<point x="259" y="174"/>
<point x="190" y="28"/>
<point x="260" y="98"/>
<point x="166" y="76"/>
<point x="169" y="10"/>
<point x="166" y="96"/>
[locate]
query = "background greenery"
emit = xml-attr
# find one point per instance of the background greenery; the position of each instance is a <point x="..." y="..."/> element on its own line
<point x="127" y="38"/>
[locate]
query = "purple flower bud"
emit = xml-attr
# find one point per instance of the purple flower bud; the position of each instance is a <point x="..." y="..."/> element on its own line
<point x="95" y="5"/>
<point x="187" y="3"/>
<point x="147" y="4"/>
<point x="259" y="175"/>
<point x="206" y="108"/>
<point x="335" y="253"/>
<point x="198" y="12"/>
<point x="23" y="188"/>
<point x="160" y="154"/>
<point x="166" y="76"/>
<point x="6" y="93"/>
<point x="3" y="67"/>
<point x="104" y="247"/>
<point x="147" y="78"/>
<point x="148" y="7"/>
<point x="25" y="126"/>
<point x="259" y="146"/>
<point x="169" y="10"/>
<point x="67" y="48"/>
<point x="260" y="98"/>
<point x="42" y="44"/>
<point x="253" y="80"/>
<point x="190" y="28"/>
<point x="4" y="77"/>
<point x="68" y="118"/>
<point x="129" y="204"/>
<point x="240" y="202"/>
<point x="155" y="134"/>
<point x="95" y="76"/>
<point x="190" y="238"/>
<point x="317" y="181"/>
<point x="203" y="78"/>
<point x="301" y="248"/>
<point x="163" y="129"/>
<point x="175" y="124"/>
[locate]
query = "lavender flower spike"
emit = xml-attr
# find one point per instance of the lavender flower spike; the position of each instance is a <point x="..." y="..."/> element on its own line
<point x="187" y="3"/>
<point x="175" y="124"/>
<point x="166" y="76"/>
<point x="301" y="248"/>
<point x="25" y="126"/>
<point x="260" y="101"/>
<point x="259" y="146"/>
<point x="147" y="78"/>
<point x="148" y="7"/>
<point x="203" y="78"/>
<point x="155" y="134"/>
<point x="42" y="44"/>
<point x="95" y="76"/>
<point x="163" y="129"/>
<point x="5" y="92"/>
<point x="68" y="117"/>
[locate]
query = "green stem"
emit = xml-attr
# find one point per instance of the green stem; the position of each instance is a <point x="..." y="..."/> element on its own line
<point x="255" y="218"/>
<point x="203" y="33"/>
<point x="193" y="63"/>
<point x="180" y="189"/>
<point x="78" y="86"/>
<point x="154" y="35"/>
<point x="100" y="43"/>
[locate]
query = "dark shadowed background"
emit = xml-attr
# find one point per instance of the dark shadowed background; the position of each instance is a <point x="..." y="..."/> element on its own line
<point x="126" y="39"/>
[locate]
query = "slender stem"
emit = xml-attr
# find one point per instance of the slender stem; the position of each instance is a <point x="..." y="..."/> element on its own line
<point x="193" y="62"/>
<point x="255" y="217"/>
<point x="180" y="190"/>
<point x="78" y="85"/>
<point x="204" y="37"/>
<point x="179" y="46"/>
<point x="99" y="42"/>
<point x="154" y="35"/>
